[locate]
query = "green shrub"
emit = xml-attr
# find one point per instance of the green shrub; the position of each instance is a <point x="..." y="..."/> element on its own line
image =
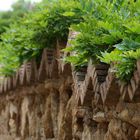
<point x="39" y="29"/>
<point x="108" y="34"/>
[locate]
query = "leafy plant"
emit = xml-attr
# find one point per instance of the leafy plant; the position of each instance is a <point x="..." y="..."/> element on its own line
<point x="110" y="34"/>
<point x="108" y="31"/>
<point x="39" y="29"/>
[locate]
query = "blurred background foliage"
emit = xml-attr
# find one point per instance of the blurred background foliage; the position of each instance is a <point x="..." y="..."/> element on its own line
<point x="19" y="9"/>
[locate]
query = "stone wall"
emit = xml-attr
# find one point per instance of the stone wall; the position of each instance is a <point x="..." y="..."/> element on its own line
<point x="53" y="102"/>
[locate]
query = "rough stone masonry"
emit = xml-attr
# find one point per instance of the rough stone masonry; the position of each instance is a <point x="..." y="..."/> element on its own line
<point x="53" y="102"/>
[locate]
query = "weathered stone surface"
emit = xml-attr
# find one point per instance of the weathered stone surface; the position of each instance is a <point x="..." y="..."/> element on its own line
<point x="55" y="103"/>
<point x="99" y="117"/>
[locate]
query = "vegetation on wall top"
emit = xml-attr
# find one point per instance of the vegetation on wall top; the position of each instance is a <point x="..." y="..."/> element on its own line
<point x="108" y="31"/>
<point x="110" y="34"/>
<point x="39" y="29"/>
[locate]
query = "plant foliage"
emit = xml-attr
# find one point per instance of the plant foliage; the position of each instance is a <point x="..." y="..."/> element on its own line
<point x="39" y="29"/>
<point x="108" y="31"/>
